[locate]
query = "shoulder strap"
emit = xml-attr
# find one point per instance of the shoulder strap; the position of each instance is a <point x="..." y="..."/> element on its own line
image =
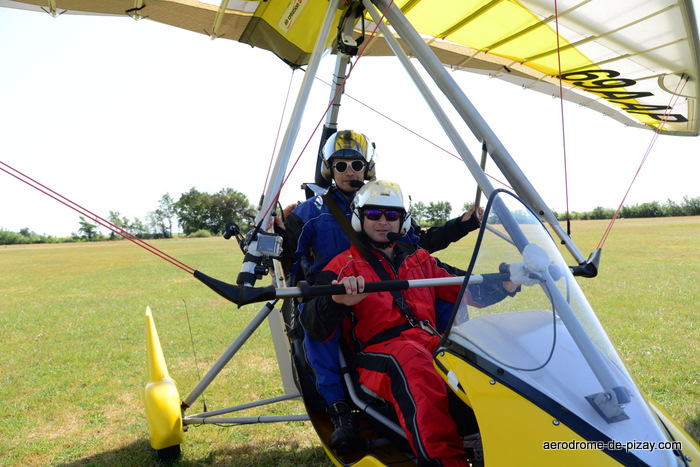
<point x="371" y="259"/>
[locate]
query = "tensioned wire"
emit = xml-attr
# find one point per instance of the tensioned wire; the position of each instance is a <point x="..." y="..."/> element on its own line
<point x="674" y="99"/>
<point x="413" y="132"/>
<point x="92" y="216"/>
<point x="320" y="121"/>
<point x="340" y="88"/>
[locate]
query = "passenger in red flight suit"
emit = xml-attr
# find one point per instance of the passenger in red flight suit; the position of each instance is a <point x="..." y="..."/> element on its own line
<point x="396" y="358"/>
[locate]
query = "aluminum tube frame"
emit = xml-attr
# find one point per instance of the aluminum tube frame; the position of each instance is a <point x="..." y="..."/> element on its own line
<point x="338" y="84"/>
<point x="507" y="165"/>
<point x="228" y="354"/>
<point x="248" y="405"/>
<point x="364" y="406"/>
<point x="435" y="107"/>
<point x="245" y="420"/>
<point x="341" y="66"/>
<point x="213" y="415"/>
<point x="279" y="336"/>
<point x="591" y="353"/>
<point x="475" y="121"/>
<point x="282" y="159"/>
<point x="470" y="161"/>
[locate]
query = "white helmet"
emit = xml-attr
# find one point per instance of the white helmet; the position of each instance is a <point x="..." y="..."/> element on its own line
<point x="348" y="144"/>
<point x="379" y="193"/>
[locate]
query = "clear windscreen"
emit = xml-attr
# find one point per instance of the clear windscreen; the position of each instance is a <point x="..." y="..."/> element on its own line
<point x="514" y="242"/>
<point x="545" y="339"/>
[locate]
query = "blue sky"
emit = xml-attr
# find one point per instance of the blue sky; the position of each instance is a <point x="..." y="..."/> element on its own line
<point x="114" y="113"/>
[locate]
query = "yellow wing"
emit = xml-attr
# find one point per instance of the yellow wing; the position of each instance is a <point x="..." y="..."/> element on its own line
<point x="636" y="61"/>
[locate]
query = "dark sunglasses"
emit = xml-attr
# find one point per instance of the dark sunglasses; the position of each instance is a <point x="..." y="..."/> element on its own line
<point x="342" y="166"/>
<point x="376" y="214"/>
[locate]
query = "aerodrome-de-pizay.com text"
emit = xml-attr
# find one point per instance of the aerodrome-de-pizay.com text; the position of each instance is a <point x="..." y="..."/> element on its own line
<point x="612" y="445"/>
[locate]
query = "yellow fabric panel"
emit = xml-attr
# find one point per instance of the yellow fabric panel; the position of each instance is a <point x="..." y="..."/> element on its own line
<point x="497" y="28"/>
<point x="638" y="41"/>
<point x="306" y="25"/>
<point x="506" y="29"/>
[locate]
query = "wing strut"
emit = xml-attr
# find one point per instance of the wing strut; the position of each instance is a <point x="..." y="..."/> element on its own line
<point x="253" y="257"/>
<point x="477" y="124"/>
<point x="439" y="113"/>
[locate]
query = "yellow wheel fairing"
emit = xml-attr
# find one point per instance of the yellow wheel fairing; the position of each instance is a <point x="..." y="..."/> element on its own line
<point x="513" y="429"/>
<point x="162" y="402"/>
<point x="161" y="398"/>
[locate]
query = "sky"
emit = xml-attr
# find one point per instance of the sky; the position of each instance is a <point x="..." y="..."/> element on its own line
<point x="113" y="113"/>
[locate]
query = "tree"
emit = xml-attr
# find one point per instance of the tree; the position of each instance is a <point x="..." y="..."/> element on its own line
<point x="138" y="229"/>
<point x="228" y="205"/>
<point x="652" y="209"/>
<point x="202" y="211"/>
<point x="419" y="212"/>
<point x="193" y="210"/>
<point x="120" y="222"/>
<point x="672" y="209"/>
<point x="691" y="206"/>
<point x="88" y="230"/>
<point x="167" y="206"/>
<point x="601" y="213"/>
<point x="157" y="223"/>
<point x="438" y="213"/>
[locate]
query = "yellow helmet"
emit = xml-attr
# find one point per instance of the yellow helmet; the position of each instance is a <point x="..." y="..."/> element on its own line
<point x="348" y="144"/>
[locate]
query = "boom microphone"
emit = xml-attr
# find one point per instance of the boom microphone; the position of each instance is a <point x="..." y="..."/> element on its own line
<point x="356" y="184"/>
<point x="393" y="236"/>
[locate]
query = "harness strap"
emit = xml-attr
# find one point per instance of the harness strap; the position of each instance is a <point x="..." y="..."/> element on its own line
<point x="388" y="334"/>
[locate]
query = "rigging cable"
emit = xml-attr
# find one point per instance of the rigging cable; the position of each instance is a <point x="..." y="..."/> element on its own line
<point x="94" y="217"/>
<point x="563" y="127"/>
<point x="279" y="130"/>
<point x="194" y="351"/>
<point x="413" y="132"/>
<point x="674" y="99"/>
<point x="320" y="121"/>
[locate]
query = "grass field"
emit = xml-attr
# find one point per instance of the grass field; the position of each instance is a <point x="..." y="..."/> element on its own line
<point x="72" y="357"/>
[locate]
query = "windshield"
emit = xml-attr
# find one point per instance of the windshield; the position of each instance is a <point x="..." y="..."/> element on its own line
<point x="545" y="337"/>
<point x="510" y="227"/>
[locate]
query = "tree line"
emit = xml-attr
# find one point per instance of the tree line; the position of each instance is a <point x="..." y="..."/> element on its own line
<point x="196" y="213"/>
<point x="689" y="207"/>
<point x="203" y="214"/>
<point x="437" y="213"/>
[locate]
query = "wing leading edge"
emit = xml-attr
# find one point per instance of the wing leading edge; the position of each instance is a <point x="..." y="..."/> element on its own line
<point x="633" y="60"/>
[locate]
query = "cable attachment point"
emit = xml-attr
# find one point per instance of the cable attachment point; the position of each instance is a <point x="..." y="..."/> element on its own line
<point x="589" y="268"/>
<point x="346" y="44"/>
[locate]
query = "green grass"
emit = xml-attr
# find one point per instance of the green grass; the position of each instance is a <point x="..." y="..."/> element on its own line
<point x="647" y="297"/>
<point x="72" y="357"/>
<point x="73" y="361"/>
